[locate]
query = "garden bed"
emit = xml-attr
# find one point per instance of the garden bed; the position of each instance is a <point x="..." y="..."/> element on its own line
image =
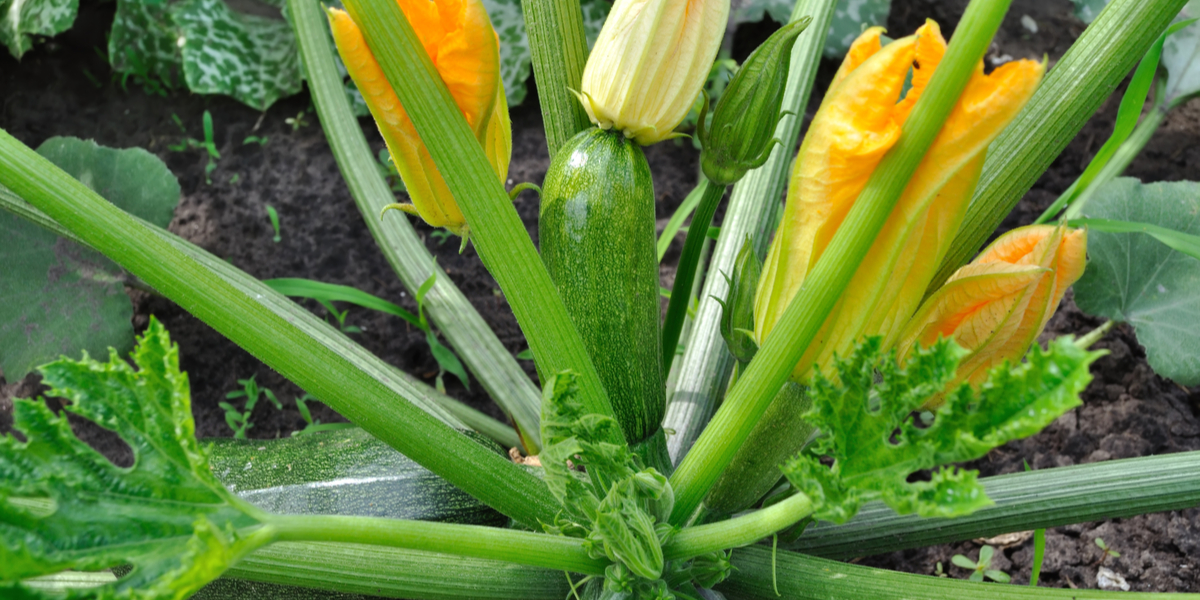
<point x="63" y="89"/>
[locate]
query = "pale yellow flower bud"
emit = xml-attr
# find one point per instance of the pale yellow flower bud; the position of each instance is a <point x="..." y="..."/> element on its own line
<point x="649" y="63"/>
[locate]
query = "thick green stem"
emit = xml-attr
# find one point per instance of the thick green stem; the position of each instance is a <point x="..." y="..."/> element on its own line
<point x="558" y="47"/>
<point x="510" y="545"/>
<point x="703" y="370"/>
<point x="488" y="359"/>
<point x="784" y="346"/>
<point x="685" y="273"/>
<point x="1023" y="501"/>
<point x="397" y="573"/>
<point x="496" y="229"/>
<point x="803" y="577"/>
<point x="739" y="531"/>
<point x="367" y="398"/>
<point x="1120" y="160"/>
<point x="1071" y="93"/>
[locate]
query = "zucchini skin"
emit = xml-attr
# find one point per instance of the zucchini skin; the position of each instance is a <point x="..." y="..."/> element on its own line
<point x="596" y="230"/>
<point x="343" y="472"/>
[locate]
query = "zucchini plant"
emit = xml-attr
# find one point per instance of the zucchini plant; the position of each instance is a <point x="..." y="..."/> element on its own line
<point x="863" y="374"/>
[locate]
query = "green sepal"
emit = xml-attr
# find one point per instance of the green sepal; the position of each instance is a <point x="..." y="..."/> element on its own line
<point x="876" y="447"/>
<point x="743" y="123"/>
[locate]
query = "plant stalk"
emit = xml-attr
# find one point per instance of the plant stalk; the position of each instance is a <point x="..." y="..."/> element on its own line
<point x="558" y="47"/>
<point x="1023" y="501"/>
<point x="488" y="359"/>
<point x="703" y="369"/>
<point x="1070" y="94"/>
<point x="397" y="573"/>
<point x="739" y="531"/>
<point x="685" y="273"/>
<point x="784" y="346"/>
<point x="367" y="398"/>
<point x="521" y="547"/>
<point x="497" y="230"/>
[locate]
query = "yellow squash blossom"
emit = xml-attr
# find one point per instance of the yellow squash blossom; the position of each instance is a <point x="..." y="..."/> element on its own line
<point x="997" y="305"/>
<point x="460" y="40"/>
<point x="860" y="119"/>
<point x="649" y="62"/>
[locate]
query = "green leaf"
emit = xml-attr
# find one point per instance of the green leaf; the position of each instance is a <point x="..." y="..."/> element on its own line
<point x="849" y="19"/>
<point x="594" y="13"/>
<point x="144" y="40"/>
<point x="1140" y="280"/>
<point x="330" y="292"/>
<point x="252" y="58"/>
<point x="57" y="297"/>
<point x="876" y="446"/>
<point x="64" y="506"/>
<point x="20" y="20"/>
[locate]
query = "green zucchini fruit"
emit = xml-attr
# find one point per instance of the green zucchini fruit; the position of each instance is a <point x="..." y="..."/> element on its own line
<point x="596" y="230"/>
<point x="342" y="472"/>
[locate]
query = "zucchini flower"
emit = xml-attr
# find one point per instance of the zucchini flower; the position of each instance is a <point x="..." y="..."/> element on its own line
<point x="649" y="62"/>
<point x="859" y="120"/>
<point x="996" y="306"/>
<point x="460" y="40"/>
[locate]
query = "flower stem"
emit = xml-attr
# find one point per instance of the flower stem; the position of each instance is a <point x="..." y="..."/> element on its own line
<point x="685" y="273"/>
<point x="782" y="349"/>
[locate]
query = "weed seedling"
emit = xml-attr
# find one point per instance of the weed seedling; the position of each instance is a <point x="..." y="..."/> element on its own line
<point x="239" y="420"/>
<point x="254" y="139"/>
<point x="297" y="121"/>
<point x="1108" y="552"/>
<point x="339" y="316"/>
<point x="274" y="216"/>
<point x="981" y="568"/>
<point x="209" y="144"/>
<point x="441" y="235"/>
<point x="314" y="425"/>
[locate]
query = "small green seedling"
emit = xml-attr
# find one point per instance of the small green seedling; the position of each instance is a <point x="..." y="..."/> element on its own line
<point x="937" y="570"/>
<point x="1039" y="549"/>
<point x="136" y="68"/>
<point x="339" y="316"/>
<point x="236" y="177"/>
<point x="239" y="420"/>
<point x="209" y="144"/>
<point x="526" y="354"/>
<point x="1108" y="552"/>
<point x="274" y="216"/>
<point x="981" y="568"/>
<point x="254" y="139"/>
<point x="445" y="358"/>
<point x="297" y="121"/>
<point x="314" y="425"/>
<point x="441" y="235"/>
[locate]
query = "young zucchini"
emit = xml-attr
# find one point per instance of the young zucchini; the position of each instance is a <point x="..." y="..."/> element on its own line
<point x="597" y="239"/>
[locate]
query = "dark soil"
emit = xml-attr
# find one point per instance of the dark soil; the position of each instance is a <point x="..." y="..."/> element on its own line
<point x="1128" y="410"/>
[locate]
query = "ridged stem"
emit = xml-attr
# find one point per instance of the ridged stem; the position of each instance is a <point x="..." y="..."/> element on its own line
<point x="704" y="367"/>
<point x="1024" y="501"/>
<point x="475" y="342"/>
<point x="558" y="47"/>
<point x="782" y="349"/>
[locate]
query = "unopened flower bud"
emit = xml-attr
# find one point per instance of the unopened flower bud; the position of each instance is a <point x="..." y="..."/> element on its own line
<point x="743" y="123"/>
<point x="737" y="314"/>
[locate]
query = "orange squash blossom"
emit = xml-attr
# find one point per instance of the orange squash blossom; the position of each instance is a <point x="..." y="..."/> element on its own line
<point x="459" y="38"/>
